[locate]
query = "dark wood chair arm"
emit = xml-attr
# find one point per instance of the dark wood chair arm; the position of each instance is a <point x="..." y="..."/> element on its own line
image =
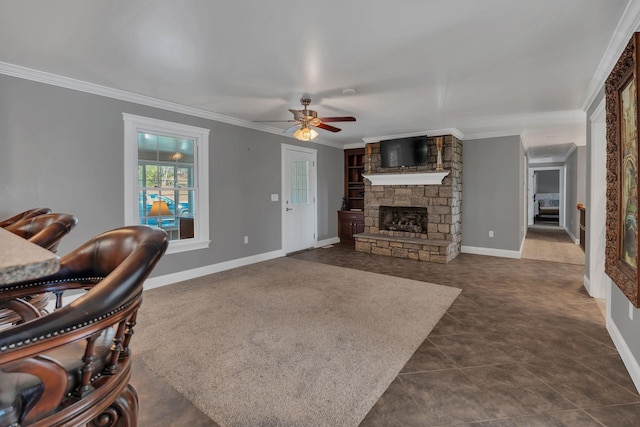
<point x="22" y="308"/>
<point x="24" y="215"/>
<point x="54" y="379"/>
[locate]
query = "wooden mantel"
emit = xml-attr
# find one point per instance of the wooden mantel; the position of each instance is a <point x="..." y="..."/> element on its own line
<point x="426" y="178"/>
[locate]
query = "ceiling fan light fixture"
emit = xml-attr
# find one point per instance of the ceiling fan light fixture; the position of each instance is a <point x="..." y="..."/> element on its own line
<point x="305" y="134"/>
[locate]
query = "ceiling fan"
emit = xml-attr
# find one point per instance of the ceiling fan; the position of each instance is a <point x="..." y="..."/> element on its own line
<point x="305" y="119"/>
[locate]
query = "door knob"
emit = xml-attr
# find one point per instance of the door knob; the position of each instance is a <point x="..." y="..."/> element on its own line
<point x="289" y="209"/>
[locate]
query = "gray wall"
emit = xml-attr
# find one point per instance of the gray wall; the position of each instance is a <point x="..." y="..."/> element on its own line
<point x="576" y="188"/>
<point x="582" y="175"/>
<point x="571" y="214"/>
<point x="64" y="149"/>
<point x="493" y="193"/>
<point x="627" y="327"/>
<point x="547" y="181"/>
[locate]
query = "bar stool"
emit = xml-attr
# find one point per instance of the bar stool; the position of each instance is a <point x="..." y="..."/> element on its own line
<point x="24" y="215"/>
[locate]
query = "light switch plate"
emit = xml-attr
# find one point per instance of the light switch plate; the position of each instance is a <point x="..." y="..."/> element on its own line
<point x="274" y="197"/>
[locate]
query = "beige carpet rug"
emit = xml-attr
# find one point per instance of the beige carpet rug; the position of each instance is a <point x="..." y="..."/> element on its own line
<point x="286" y="342"/>
<point x="551" y="244"/>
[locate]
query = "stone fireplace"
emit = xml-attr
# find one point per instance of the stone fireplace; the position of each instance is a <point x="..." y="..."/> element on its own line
<point x="414" y="212"/>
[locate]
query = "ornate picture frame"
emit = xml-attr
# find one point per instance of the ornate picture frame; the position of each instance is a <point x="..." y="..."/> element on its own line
<point x="621" y="256"/>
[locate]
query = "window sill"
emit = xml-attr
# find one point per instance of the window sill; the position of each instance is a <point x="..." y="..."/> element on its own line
<point x="177" y="246"/>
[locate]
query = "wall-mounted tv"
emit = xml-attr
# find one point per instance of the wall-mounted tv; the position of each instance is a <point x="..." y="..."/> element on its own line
<point x="404" y="152"/>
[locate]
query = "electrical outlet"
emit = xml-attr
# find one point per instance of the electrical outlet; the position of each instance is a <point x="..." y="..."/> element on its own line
<point x="246" y="239"/>
<point x="491" y="233"/>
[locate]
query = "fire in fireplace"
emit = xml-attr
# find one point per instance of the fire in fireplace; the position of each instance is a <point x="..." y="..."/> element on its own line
<point x="406" y="218"/>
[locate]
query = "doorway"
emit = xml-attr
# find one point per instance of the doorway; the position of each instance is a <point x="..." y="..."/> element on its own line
<point x="299" y="187"/>
<point x="547" y="196"/>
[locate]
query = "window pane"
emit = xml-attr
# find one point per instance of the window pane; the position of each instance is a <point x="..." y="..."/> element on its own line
<point x="298" y="182"/>
<point x="166" y="183"/>
<point x="184" y="177"/>
<point x="151" y="175"/>
<point x="185" y="203"/>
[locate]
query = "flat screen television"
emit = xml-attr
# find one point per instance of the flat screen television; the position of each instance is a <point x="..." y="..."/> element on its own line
<point x="404" y="152"/>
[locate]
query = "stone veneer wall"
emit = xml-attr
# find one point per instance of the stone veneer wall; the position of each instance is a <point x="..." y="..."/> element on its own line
<point x="441" y="243"/>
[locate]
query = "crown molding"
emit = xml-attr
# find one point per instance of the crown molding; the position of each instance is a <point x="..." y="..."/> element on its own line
<point x="447" y="131"/>
<point x="354" y="145"/>
<point x="496" y="134"/>
<point x="566" y="157"/>
<point x="628" y="24"/>
<point x="524" y="139"/>
<point x="529" y="120"/>
<point x="435" y="132"/>
<point x="122" y="95"/>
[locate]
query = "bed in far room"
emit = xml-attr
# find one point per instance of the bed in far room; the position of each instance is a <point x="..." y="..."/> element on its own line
<point x="547" y="205"/>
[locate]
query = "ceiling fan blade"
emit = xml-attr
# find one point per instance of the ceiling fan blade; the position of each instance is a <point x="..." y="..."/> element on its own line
<point x="297" y="114"/>
<point x="338" y="119"/>
<point x="328" y="127"/>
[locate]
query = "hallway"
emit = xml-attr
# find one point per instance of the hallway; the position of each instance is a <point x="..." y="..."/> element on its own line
<point x="551" y="244"/>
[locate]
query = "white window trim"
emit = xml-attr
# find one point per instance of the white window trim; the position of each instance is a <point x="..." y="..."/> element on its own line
<point x="134" y="124"/>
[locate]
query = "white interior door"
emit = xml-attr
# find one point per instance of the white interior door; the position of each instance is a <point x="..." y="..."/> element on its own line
<point x="298" y="198"/>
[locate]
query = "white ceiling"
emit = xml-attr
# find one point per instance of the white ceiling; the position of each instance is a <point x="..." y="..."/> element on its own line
<point x="490" y="67"/>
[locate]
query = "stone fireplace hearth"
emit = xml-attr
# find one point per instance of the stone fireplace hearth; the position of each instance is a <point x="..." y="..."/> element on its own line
<point x="413" y="212"/>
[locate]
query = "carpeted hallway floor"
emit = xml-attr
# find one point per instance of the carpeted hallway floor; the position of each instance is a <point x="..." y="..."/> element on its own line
<point x="551" y="244"/>
<point x="523" y="345"/>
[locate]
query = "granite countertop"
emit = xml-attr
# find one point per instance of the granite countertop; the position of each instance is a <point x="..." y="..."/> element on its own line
<point x="22" y="260"/>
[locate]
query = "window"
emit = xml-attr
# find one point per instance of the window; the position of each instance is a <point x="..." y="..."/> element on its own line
<point x="298" y="186"/>
<point x="166" y="180"/>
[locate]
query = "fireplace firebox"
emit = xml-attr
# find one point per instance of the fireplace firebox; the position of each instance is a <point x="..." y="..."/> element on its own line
<point x="406" y="218"/>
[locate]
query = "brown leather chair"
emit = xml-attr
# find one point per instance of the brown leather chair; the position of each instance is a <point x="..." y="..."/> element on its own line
<point x="24" y="215"/>
<point x="72" y="366"/>
<point x="44" y="230"/>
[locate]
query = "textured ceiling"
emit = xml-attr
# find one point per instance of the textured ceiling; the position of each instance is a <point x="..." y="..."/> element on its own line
<point x="490" y="67"/>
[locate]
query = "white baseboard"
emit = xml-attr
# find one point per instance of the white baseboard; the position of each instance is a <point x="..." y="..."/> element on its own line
<point x="325" y="242"/>
<point x="502" y="253"/>
<point x="629" y="360"/>
<point x="167" y="279"/>
<point x="574" y="238"/>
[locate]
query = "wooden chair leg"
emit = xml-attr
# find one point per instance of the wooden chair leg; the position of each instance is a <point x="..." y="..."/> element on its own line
<point x="123" y="412"/>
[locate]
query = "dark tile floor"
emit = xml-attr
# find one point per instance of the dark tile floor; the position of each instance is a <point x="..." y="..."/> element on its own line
<point x="523" y="345"/>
